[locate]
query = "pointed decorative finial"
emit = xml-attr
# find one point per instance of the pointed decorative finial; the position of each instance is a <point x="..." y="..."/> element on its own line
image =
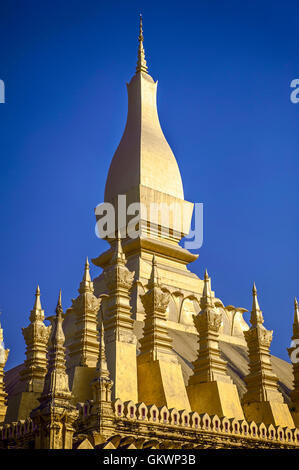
<point x="141" y="62"/>
<point x="154" y="279"/>
<point x="37" y="313"/>
<point x="255" y="304"/>
<point x="59" y="310"/>
<point x="118" y="255"/>
<point x="296" y="313"/>
<point x="206" y="299"/>
<point x="102" y="361"/>
<point x="86" y="285"/>
<point x="86" y="276"/>
<point x="102" y="384"/>
<point x="256" y="313"/>
<point x="37" y="303"/>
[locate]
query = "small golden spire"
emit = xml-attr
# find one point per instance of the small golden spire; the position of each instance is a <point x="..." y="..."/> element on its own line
<point x="102" y="368"/>
<point x="59" y="310"/>
<point x="206" y="299"/>
<point x="255" y="303"/>
<point x="37" y="303"/>
<point x="86" y="276"/>
<point x="256" y="313"/>
<point x="141" y="62"/>
<point x="37" y="312"/>
<point x="118" y="254"/>
<point x="296" y="314"/>
<point x="86" y="285"/>
<point x="154" y="279"/>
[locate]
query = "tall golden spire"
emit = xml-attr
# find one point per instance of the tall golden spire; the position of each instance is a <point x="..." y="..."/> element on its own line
<point x="101" y="388"/>
<point x="155" y="340"/>
<point x="36" y="336"/>
<point x="102" y="367"/>
<point x="55" y="415"/>
<point x="210" y="377"/>
<point x="208" y="366"/>
<point x="119" y="334"/>
<point x="262" y="401"/>
<point x="82" y="344"/>
<point x="102" y="383"/>
<point x="157" y="362"/>
<point x="141" y="62"/>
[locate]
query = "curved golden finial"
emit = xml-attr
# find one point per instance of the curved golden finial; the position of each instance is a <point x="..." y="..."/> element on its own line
<point x="141" y="62"/>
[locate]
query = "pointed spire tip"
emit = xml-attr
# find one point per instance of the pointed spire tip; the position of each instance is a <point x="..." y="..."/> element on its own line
<point x="59" y="310"/>
<point x="141" y="62"/>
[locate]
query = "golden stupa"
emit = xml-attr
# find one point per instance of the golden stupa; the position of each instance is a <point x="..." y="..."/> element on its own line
<point x="147" y="356"/>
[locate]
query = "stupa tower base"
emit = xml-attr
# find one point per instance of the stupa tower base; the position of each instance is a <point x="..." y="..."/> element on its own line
<point x="269" y="412"/>
<point x="262" y="402"/>
<point x="216" y="398"/>
<point x="161" y="383"/>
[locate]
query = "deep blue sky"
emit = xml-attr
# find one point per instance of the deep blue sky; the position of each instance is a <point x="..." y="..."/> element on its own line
<point x="224" y="70"/>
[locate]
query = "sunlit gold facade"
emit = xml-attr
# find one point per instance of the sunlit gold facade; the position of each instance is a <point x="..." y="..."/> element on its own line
<point x="147" y="356"/>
